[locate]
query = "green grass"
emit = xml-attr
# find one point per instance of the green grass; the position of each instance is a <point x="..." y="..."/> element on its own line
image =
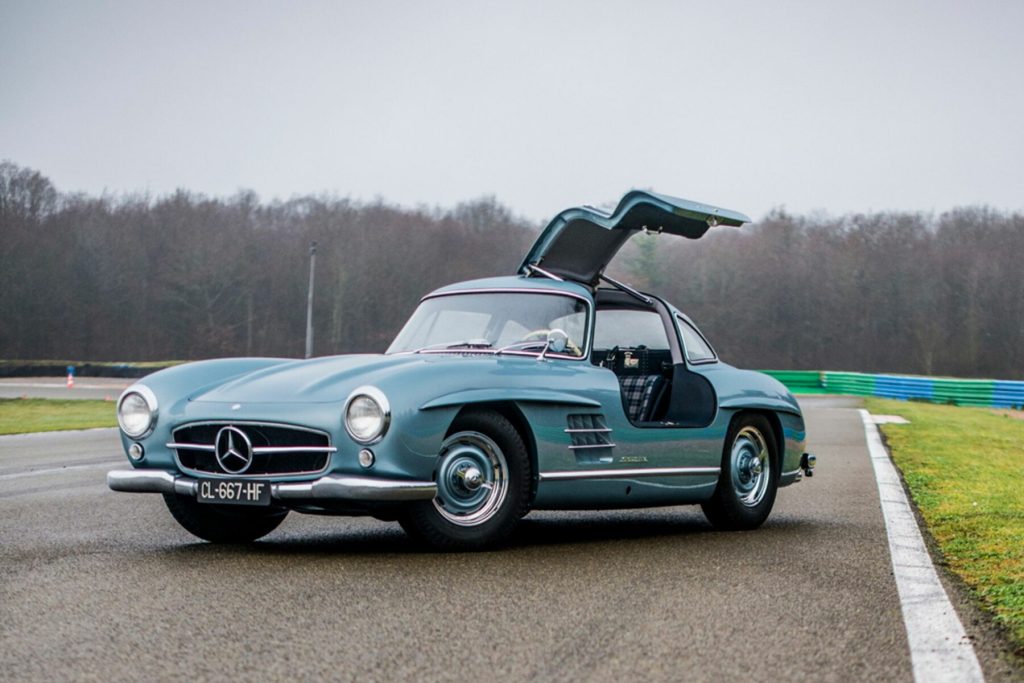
<point x="21" y="415"/>
<point x="965" y="470"/>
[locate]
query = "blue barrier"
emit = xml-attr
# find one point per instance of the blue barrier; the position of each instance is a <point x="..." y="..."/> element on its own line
<point x="1008" y="394"/>
<point x="889" y="386"/>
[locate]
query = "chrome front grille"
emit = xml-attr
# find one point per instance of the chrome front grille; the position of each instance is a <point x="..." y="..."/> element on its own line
<point x="277" y="449"/>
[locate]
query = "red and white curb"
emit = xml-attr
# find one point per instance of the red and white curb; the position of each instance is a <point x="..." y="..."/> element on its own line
<point x="939" y="647"/>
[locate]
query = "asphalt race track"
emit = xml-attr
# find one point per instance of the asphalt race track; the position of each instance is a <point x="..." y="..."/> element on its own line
<point x="56" y="387"/>
<point x="102" y="586"/>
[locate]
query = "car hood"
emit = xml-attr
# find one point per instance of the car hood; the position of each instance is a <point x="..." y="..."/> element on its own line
<point x="317" y="380"/>
<point x="580" y="242"/>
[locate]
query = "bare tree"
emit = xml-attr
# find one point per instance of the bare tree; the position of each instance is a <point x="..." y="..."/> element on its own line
<point x="188" y="276"/>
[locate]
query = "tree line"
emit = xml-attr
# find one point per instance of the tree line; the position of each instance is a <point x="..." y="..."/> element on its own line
<point x="187" y="276"/>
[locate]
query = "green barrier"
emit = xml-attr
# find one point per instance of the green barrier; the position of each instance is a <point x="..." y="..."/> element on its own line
<point x="799" y="381"/>
<point x="853" y="383"/>
<point x="961" y="392"/>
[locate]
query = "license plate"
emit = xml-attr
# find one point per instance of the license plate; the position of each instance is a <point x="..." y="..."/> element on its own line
<point x="233" y="492"/>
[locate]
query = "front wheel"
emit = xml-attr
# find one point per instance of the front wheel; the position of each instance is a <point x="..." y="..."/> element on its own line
<point x="482" y="475"/>
<point x="221" y="523"/>
<point x="749" y="478"/>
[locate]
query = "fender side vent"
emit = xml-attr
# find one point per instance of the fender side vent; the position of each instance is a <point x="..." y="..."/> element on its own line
<point x="589" y="432"/>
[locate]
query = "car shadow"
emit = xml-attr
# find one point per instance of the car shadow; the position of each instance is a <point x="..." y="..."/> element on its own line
<point x="618" y="529"/>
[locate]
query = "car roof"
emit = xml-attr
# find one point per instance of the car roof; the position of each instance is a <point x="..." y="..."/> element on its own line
<point x="518" y="282"/>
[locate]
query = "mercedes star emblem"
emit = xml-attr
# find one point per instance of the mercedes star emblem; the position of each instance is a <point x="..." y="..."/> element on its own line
<point x="233" y="450"/>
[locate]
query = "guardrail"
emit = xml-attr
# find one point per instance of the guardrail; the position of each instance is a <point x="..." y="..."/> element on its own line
<point x="58" y="368"/>
<point x="986" y="393"/>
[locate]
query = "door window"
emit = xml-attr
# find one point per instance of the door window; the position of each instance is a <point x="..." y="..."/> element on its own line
<point x="629" y="328"/>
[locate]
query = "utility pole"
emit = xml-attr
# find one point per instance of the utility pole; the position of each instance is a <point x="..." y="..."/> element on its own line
<point x="309" y="300"/>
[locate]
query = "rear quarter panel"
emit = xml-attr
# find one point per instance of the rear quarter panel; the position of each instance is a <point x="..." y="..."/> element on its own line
<point x="745" y="390"/>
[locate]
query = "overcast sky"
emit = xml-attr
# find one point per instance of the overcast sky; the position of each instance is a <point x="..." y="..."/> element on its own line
<point x="749" y="105"/>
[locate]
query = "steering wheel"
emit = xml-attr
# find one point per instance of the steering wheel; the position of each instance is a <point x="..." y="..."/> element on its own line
<point x="541" y="336"/>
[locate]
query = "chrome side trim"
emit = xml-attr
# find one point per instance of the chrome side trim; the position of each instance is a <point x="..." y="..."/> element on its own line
<point x="629" y="473"/>
<point x="587" y="430"/>
<point x="585" y="446"/>
<point x="330" y="487"/>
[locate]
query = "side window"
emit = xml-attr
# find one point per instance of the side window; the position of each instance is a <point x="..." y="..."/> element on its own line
<point x="697" y="350"/>
<point x="627" y="328"/>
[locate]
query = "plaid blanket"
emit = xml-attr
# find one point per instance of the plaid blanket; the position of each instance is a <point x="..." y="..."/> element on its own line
<point x="636" y="394"/>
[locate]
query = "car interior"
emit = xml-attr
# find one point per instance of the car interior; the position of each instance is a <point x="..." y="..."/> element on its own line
<point x="638" y="341"/>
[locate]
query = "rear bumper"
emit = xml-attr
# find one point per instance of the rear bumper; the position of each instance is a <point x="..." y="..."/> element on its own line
<point x="807" y="464"/>
<point x="332" y="487"/>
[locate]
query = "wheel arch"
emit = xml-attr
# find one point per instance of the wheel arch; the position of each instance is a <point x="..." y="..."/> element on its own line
<point x="511" y="411"/>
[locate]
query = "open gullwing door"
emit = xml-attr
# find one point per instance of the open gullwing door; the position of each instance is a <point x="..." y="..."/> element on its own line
<point x="579" y="242"/>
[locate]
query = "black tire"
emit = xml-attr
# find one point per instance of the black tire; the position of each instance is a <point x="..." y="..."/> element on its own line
<point x="221" y="523"/>
<point x="442" y="526"/>
<point x="743" y="499"/>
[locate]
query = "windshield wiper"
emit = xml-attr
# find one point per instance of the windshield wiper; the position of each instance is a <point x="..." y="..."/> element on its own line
<point x="468" y="344"/>
<point x="521" y="345"/>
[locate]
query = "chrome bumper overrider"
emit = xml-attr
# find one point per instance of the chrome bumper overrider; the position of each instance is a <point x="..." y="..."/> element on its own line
<point x="330" y="487"/>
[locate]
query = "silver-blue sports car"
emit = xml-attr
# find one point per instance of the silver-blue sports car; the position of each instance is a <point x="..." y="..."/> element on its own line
<point x="555" y="388"/>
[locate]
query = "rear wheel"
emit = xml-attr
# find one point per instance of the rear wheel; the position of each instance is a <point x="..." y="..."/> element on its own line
<point x="482" y="477"/>
<point x="222" y="523"/>
<point x="749" y="478"/>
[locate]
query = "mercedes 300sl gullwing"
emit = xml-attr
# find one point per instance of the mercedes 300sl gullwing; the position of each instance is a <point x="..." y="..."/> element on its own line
<point x="542" y="390"/>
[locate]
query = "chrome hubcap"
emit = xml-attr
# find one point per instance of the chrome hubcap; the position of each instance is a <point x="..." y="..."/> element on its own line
<point x="472" y="479"/>
<point x="751" y="466"/>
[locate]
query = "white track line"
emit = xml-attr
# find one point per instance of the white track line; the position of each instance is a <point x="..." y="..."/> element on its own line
<point x="939" y="647"/>
<point x="59" y="470"/>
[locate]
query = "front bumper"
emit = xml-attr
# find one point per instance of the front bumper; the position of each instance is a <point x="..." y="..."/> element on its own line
<point x="332" y="487"/>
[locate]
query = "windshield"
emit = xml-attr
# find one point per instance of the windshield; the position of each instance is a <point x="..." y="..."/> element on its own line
<point x="509" y="322"/>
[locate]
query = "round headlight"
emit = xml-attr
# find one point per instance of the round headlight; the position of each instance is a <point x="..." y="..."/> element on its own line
<point x="136" y="411"/>
<point x="367" y="415"/>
